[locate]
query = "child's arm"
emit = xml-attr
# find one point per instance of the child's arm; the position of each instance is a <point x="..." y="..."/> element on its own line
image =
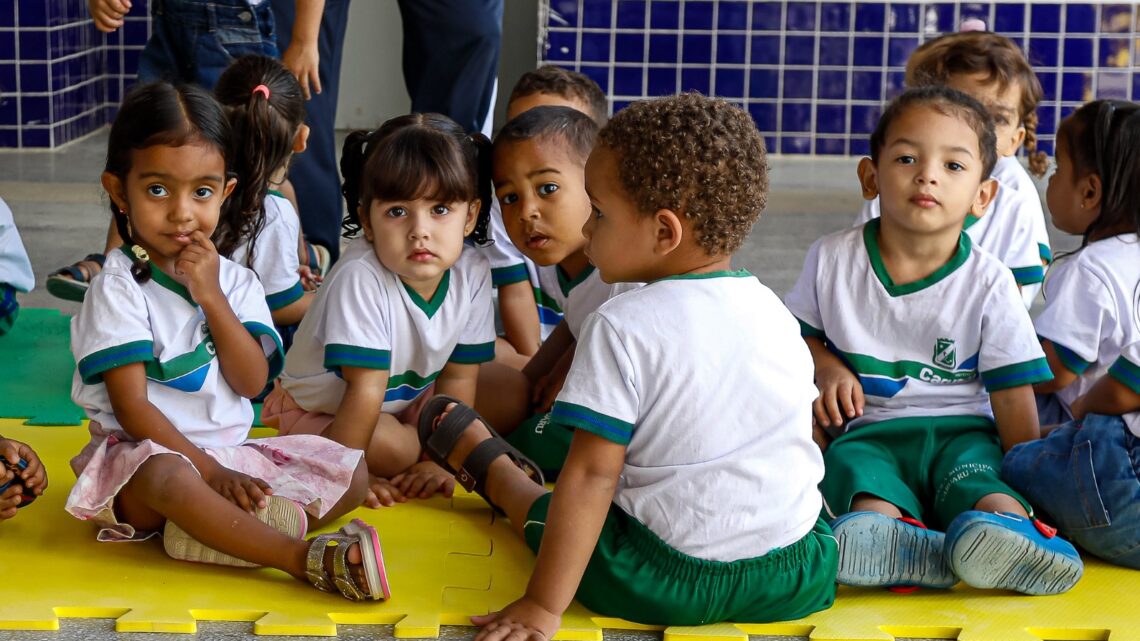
<point x="240" y="355"/>
<point x="552" y="350"/>
<point x="520" y="317"/>
<point x="546" y="389"/>
<point x="1108" y="397"/>
<point x="303" y="55"/>
<point x="1015" y="413"/>
<point x="840" y="393"/>
<point x="126" y="388"/>
<point x="292" y="313"/>
<point x="359" y="408"/>
<point x="33" y="477"/>
<point x="578" y="509"/>
<point x="1062" y="375"/>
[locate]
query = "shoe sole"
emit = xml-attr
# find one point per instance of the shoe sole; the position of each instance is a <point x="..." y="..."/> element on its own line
<point x="988" y="556"/>
<point x="281" y="514"/>
<point x="67" y="289"/>
<point x="916" y="560"/>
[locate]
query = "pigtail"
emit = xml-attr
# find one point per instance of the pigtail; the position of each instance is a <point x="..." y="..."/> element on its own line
<point x="485" y="191"/>
<point x="141" y="269"/>
<point x="1038" y="160"/>
<point x="254" y="156"/>
<point x="352" y="159"/>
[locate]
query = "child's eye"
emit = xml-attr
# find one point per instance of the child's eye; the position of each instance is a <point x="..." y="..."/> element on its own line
<point x="508" y="199"/>
<point x="955" y="166"/>
<point x="156" y="190"/>
<point x="905" y="160"/>
<point x="597" y="212"/>
<point x="397" y="212"/>
<point x="203" y="192"/>
<point x="546" y="189"/>
<point x="440" y="210"/>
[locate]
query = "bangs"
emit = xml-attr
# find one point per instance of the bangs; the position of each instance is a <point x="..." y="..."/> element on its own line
<point x="420" y="163"/>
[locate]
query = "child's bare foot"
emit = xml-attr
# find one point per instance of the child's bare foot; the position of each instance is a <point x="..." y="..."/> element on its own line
<point x="423" y="480"/>
<point x="383" y="493"/>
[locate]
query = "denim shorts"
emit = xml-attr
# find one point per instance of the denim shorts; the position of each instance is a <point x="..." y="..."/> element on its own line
<point x="195" y="41"/>
<point x="1084" y="477"/>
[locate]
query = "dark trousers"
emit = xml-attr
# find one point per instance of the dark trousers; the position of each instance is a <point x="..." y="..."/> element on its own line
<point x="315" y="174"/>
<point x="451" y="59"/>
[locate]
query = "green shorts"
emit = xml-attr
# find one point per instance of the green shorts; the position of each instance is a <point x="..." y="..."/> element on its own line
<point x="636" y="576"/>
<point x="931" y="468"/>
<point x="545" y="442"/>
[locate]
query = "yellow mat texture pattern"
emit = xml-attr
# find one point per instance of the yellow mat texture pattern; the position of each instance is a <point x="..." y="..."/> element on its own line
<point x="448" y="560"/>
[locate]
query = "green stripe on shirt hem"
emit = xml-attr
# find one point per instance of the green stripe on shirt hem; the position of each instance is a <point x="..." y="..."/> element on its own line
<point x="510" y="275"/>
<point x="1126" y="373"/>
<point x="92" y="366"/>
<point x="337" y="356"/>
<point x="473" y="354"/>
<point x="584" y="418"/>
<point x="285" y="298"/>
<point x="276" y="359"/>
<point x="1028" y="275"/>
<point x="1017" y="374"/>
<point x="1070" y="359"/>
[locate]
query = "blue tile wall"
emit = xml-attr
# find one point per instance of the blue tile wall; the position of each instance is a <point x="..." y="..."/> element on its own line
<point x="60" y="78"/>
<point x="814" y="75"/>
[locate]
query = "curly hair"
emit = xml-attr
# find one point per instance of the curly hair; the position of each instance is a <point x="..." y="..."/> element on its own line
<point x="1002" y="62"/>
<point x="700" y="157"/>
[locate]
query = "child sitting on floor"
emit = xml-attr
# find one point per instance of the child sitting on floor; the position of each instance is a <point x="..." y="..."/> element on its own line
<point x="22" y="477"/>
<point x="171" y="343"/>
<point x="683" y="501"/>
<point x="905" y="313"/>
<point x="1090" y="303"/>
<point x="406" y="308"/>
<point x="15" y="269"/>
<point x="266" y="110"/>
<point x="513" y="274"/>
<point x="539" y="160"/>
<point x="993" y="70"/>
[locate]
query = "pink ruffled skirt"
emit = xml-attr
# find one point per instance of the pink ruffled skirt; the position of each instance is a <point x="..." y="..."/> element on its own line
<point x="311" y="470"/>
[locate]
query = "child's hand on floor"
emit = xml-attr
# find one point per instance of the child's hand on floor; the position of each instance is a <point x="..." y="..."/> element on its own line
<point x="523" y="620"/>
<point x="423" y="480"/>
<point x="840" y="395"/>
<point x="382" y="493"/>
<point x="33" y="477"/>
<point x="242" y="490"/>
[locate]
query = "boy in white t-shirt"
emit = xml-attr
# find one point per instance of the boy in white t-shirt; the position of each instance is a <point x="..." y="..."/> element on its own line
<point x="921" y="345"/>
<point x="683" y="501"/>
<point x="993" y="70"/>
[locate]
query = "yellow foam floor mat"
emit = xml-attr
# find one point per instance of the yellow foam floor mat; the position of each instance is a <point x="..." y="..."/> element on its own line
<point x="448" y="560"/>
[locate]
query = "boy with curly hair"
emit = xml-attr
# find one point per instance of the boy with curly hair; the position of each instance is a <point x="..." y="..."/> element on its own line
<point x="683" y="500"/>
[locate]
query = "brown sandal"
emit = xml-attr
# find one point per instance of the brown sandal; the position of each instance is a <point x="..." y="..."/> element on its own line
<point x="342" y="579"/>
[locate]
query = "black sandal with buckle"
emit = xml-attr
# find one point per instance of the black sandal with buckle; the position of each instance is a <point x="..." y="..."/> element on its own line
<point x="438" y="439"/>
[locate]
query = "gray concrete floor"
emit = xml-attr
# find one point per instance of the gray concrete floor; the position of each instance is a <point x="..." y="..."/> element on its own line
<point x="62" y="215"/>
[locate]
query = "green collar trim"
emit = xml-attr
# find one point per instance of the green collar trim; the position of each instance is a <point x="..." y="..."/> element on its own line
<point x="723" y="273"/>
<point x="162" y="278"/>
<point x="871" y="240"/>
<point x="430" y="307"/>
<point x="969" y="222"/>
<point x="274" y="192"/>
<point x="565" y="283"/>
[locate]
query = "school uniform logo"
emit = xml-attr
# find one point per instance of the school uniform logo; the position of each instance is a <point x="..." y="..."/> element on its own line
<point x="945" y="353"/>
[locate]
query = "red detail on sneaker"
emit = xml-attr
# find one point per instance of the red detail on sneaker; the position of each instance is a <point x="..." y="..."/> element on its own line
<point x="907" y="589"/>
<point x="1048" y="531"/>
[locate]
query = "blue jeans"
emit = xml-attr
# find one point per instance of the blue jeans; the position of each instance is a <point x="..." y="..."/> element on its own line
<point x="1084" y="476"/>
<point x="195" y="41"/>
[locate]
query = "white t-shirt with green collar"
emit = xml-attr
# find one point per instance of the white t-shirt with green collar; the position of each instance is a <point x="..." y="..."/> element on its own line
<point x="706" y="382"/>
<point x="365" y="316"/>
<point x="935" y="347"/>
<point x="158" y="324"/>
<point x="275" y="259"/>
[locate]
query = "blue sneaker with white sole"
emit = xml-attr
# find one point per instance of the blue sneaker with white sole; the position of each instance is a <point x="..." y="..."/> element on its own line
<point x="876" y="550"/>
<point x="1010" y="552"/>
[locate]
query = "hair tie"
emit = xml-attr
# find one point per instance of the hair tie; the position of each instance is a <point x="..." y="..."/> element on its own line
<point x="261" y="89"/>
<point x="972" y="24"/>
<point x="140" y="253"/>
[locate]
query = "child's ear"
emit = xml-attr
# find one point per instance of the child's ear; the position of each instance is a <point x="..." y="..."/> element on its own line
<point x="1018" y="138"/>
<point x="301" y="139"/>
<point x="229" y="188"/>
<point x="1091" y="191"/>
<point x="115" y="188"/>
<point x="472" y="216"/>
<point x="668" y="231"/>
<point x="365" y="222"/>
<point x="987" y="191"/>
<point x="868" y="179"/>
